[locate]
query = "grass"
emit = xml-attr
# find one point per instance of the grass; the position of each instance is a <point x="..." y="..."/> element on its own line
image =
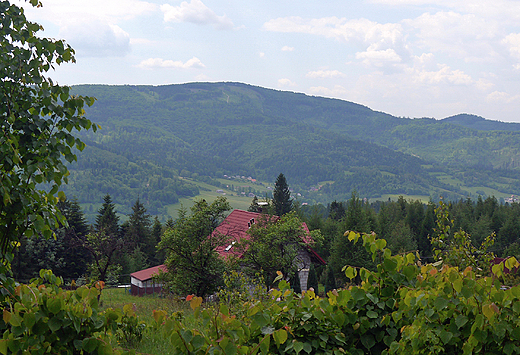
<point x="209" y="193"/>
<point x="154" y="342"/>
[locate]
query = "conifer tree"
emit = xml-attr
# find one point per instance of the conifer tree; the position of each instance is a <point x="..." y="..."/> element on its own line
<point x="331" y="280"/>
<point x="282" y="196"/>
<point x="107" y="221"/>
<point x="312" y="281"/>
<point x="254" y="207"/>
<point x="295" y="283"/>
<point x="139" y="233"/>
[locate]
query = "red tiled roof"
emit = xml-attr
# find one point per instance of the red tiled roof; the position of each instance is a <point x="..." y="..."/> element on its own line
<point x="235" y="226"/>
<point x="147" y="274"/>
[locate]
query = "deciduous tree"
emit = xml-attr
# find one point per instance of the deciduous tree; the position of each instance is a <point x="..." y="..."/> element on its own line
<point x="193" y="264"/>
<point x="37" y="120"/>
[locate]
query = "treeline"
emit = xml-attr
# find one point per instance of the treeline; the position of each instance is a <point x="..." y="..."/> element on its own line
<point x="107" y="250"/>
<point x="407" y="226"/>
<point x="110" y="250"/>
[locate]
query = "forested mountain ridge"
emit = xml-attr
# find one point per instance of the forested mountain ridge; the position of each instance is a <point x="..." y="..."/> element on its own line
<point x="151" y="135"/>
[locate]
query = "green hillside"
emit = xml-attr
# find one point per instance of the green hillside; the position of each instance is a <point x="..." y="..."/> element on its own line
<point x="169" y="143"/>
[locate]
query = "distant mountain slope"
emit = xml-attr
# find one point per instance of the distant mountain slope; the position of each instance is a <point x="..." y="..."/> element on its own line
<point x="481" y="124"/>
<point x="155" y="134"/>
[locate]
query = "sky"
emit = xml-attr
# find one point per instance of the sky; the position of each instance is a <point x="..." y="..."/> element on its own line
<point x="411" y="58"/>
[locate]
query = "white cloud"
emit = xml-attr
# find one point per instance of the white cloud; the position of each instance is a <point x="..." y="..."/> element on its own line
<point x="95" y="38"/>
<point x="195" y="12"/>
<point x="500" y="97"/>
<point x="445" y="75"/>
<point x="156" y="63"/>
<point x="361" y="30"/>
<point x="464" y="35"/>
<point x="261" y="54"/>
<point x="325" y="74"/>
<point x="512" y="41"/>
<point x="94" y="28"/>
<point x="286" y="82"/>
<point x="502" y="10"/>
<point x="63" y="12"/>
<point x="384" y="43"/>
<point x="287" y="49"/>
<point x="379" y="58"/>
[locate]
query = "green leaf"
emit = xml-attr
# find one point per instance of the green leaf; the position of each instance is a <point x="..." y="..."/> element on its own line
<point x="104" y="349"/>
<point x="350" y="272"/>
<point x="461" y="320"/>
<point x="29" y="319"/>
<point x="372" y="314"/>
<point x="90" y="344"/>
<point x="198" y="342"/>
<point x="440" y="303"/>
<point x="3" y="346"/>
<point x="368" y="340"/>
<point x="297" y="346"/>
<point x="15" y="320"/>
<point x="445" y="336"/>
<point x="280" y="336"/>
<point x="54" y="305"/>
<point x="264" y="344"/>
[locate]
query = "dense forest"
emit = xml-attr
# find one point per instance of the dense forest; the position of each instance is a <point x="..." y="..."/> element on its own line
<point x="154" y="137"/>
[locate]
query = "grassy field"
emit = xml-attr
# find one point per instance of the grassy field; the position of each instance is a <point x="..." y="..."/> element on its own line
<point x="154" y="342"/>
<point x="209" y="193"/>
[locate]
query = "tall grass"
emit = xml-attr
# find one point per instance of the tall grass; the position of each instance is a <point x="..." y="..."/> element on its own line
<point x="154" y="342"/>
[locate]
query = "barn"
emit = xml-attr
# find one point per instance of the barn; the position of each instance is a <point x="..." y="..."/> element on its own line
<point x="143" y="283"/>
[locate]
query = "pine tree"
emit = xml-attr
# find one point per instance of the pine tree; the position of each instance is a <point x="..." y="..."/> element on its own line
<point x="157" y="231"/>
<point x="254" y="207"/>
<point x="312" y="281"/>
<point x="331" y="280"/>
<point x="107" y="221"/>
<point x="295" y="283"/>
<point x="139" y="233"/>
<point x="282" y="196"/>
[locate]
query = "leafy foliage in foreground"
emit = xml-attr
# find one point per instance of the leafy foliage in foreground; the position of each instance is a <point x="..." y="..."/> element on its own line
<point x="402" y="307"/>
<point x="41" y="317"/>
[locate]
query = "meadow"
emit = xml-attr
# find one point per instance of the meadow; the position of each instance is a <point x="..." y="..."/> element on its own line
<point x="153" y="342"/>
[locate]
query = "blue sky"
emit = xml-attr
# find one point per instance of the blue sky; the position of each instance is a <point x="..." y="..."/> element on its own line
<point x="412" y="58"/>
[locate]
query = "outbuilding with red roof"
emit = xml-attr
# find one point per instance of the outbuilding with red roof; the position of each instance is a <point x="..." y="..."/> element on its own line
<point x="143" y="283"/>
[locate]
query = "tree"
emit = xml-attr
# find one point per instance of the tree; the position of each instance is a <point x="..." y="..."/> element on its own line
<point x="107" y="221"/>
<point x="157" y="231"/>
<point x="254" y="207"/>
<point x="105" y="241"/>
<point x="37" y="120"/>
<point x="330" y="283"/>
<point x="272" y="246"/>
<point x="139" y="230"/>
<point x="312" y="281"/>
<point x="282" y="196"/>
<point x="192" y="262"/>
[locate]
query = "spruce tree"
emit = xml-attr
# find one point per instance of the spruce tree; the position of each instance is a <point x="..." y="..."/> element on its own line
<point x="331" y="280"/>
<point x="139" y="233"/>
<point x="281" y="196"/>
<point x="295" y="283"/>
<point x="254" y="207"/>
<point x="312" y="281"/>
<point x="107" y="221"/>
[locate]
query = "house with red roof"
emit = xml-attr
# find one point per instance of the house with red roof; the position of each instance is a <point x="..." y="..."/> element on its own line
<point x="143" y="283"/>
<point x="236" y="225"/>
